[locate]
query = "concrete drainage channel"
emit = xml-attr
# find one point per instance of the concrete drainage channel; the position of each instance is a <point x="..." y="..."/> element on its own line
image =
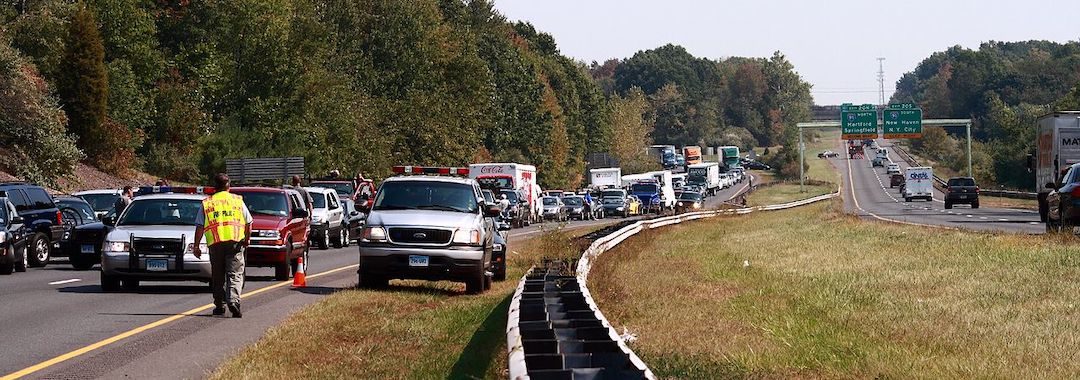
<point x="554" y="328"/>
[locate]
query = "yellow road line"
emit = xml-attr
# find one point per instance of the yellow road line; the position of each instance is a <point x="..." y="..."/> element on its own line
<point x="140" y="329"/>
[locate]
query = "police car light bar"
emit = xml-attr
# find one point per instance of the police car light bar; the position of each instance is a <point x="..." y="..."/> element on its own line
<point x="146" y="190"/>
<point x="437" y="170"/>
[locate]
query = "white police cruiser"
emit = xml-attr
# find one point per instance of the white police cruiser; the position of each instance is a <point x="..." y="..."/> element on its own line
<point x="154" y="238"/>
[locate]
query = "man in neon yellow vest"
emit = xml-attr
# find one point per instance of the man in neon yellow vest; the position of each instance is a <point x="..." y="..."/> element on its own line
<point x="226" y="224"/>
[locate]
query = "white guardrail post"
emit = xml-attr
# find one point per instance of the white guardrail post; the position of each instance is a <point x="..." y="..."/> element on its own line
<point x="515" y="348"/>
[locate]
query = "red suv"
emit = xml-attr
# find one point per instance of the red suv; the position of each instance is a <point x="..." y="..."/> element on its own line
<point x="279" y="233"/>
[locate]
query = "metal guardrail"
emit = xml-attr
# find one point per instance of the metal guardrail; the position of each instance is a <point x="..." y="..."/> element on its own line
<point x="576" y="314"/>
<point x="247" y="170"/>
<point x="942" y="184"/>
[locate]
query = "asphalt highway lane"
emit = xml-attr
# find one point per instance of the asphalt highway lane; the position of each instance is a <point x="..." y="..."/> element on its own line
<point x="867" y="193"/>
<point x="59" y="323"/>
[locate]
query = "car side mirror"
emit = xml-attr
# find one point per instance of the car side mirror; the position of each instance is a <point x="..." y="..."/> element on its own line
<point x="17" y="220"/>
<point x="1051" y="185"/>
<point x="504" y="226"/>
<point x="299" y="213"/>
<point x="355" y="213"/>
<point x="109" y="220"/>
<point x="492" y="210"/>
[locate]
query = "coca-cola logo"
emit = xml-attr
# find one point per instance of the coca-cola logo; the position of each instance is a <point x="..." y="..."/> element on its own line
<point x="491" y="169"/>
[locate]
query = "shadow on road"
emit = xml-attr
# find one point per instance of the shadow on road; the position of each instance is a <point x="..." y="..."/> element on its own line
<point x="318" y="290"/>
<point x="476" y="358"/>
<point x="143" y="289"/>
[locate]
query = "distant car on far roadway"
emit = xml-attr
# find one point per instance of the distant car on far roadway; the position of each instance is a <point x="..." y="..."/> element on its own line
<point x="961" y="190"/>
<point x="755" y="165"/>
<point x="892" y="168"/>
<point x="825" y="154"/>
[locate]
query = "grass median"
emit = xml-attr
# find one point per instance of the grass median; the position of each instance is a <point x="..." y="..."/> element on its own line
<point x="811" y="292"/>
<point x="414" y="330"/>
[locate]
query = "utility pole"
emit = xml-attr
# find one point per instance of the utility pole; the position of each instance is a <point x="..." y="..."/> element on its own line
<point x="881" y="81"/>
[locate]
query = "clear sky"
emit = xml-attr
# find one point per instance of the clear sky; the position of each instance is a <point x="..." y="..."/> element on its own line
<point x="833" y="44"/>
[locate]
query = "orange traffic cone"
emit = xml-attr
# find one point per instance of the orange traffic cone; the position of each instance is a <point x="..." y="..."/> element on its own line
<point x="298" y="278"/>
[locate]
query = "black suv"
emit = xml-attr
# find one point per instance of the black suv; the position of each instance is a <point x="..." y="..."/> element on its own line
<point x="43" y="221"/>
<point x="961" y="190"/>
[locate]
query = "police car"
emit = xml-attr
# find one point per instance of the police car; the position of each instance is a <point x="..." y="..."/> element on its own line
<point x="154" y="239"/>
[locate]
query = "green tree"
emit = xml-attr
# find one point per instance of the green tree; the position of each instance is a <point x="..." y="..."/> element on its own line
<point x="83" y="86"/>
<point x="630" y="131"/>
<point x="32" y="126"/>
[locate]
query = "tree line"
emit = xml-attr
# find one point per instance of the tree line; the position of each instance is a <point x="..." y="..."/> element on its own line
<point x="1003" y="87"/>
<point x="175" y="88"/>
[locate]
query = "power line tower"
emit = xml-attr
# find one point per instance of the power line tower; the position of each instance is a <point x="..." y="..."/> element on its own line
<point x="881" y="80"/>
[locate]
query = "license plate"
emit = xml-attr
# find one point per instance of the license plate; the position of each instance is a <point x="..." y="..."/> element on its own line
<point x="157" y="265"/>
<point x="418" y="261"/>
<point x="962" y="196"/>
<point x="87" y="248"/>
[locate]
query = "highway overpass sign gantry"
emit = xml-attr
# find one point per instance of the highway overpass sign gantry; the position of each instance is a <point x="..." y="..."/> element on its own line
<point x="902" y="121"/>
<point x="858" y="122"/>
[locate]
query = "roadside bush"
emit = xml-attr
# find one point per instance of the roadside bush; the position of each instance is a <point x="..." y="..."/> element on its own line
<point x="32" y="126"/>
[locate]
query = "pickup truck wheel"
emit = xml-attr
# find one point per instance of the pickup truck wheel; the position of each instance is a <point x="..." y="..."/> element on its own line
<point x="370" y="281"/>
<point x="8" y="268"/>
<point x="324" y="243"/>
<point x="281" y="272"/>
<point x="340" y="241"/>
<point x="948" y="205"/>
<point x="130" y="284"/>
<point x="346" y="237"/>
<point x="975" y="205"/>
<point x="475" y="284"/>
<point x="109" y="283"/>
<point x="39" y="254"/>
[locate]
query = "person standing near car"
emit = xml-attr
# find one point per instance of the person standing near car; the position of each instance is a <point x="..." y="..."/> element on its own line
<point x="298" y="185"/>
<point x="125" y="199"/>
<point x="226" y="224"/>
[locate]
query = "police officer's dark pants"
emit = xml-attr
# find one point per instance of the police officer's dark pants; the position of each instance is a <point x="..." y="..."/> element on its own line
<point x="226" y="272"/>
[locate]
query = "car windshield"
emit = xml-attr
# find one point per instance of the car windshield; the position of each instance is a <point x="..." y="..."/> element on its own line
<point x="643" y="188"/>
<point x="344" y="189"/>
<point x="426" y="195"/>
<point x="318" y="200"/>
<point x="100" y="202"/>
<point x="511" y="196"/>
<point x="549" y="201"/>
<point x="573" y="201"/>
<point x="86" y="214"/>
<point x="265" y="203"/>
<point x="180" y="212"/>
<point x="690" y="196"/>
<point x="613" y="201"/>
<point x="961" y="182"/>
<point x="612" y="193"/>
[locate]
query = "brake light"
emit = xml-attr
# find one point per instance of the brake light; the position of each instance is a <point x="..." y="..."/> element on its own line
<point x="59" y="218"/>
<point x="976" y="189"/>
<point x="1075" y="192"/>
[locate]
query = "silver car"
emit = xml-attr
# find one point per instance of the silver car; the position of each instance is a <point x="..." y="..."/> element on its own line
<point x="428" y="228"/>
<point x="154" y="240"/>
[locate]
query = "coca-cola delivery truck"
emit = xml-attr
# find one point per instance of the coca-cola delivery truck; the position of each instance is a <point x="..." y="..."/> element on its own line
<point x="509" y="176"/>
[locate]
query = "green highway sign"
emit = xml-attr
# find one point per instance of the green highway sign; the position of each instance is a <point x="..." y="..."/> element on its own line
<point x="858" y="122"/>
<point x="902" y="121"/>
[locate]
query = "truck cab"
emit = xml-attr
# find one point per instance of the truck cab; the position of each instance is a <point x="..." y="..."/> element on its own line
<point x="428" y="227"/>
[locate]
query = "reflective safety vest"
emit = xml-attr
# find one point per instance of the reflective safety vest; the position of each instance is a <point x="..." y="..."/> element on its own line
<point x="224" y="218"/>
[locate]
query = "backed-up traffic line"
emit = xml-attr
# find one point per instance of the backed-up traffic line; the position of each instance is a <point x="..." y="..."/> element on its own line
<point x="13" y="240"/>
<point x="429" y="227"/>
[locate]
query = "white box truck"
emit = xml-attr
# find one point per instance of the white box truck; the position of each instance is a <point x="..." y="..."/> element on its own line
<point x="500" y="176"/>
<point x="706" y="175"/>
<point x="919" y="183"/>
<point x="1057" y="147"/>
<point x="605" y="178"/>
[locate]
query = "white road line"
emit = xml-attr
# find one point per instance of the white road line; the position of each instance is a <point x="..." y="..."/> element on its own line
<point x="1033" y="223"/>
<point x="65" y="281"/>
<point x="982" y="217"/>
<point x="1003" y="220"/>
<point x="969" y="216"/>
